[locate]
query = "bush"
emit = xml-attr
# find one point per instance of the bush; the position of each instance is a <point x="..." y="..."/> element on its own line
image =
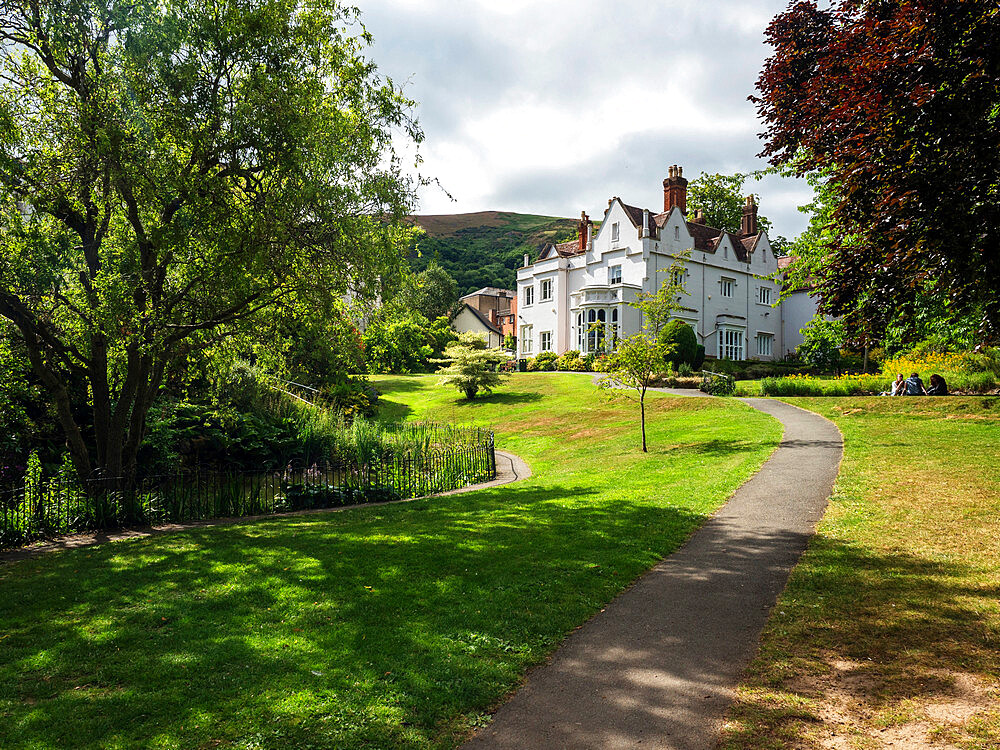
<point x="720" y="385"/>
<point x="471" y="366"/>
<point x="699" y="358"/>
<point x="681" y="340"/>
<point x="544" y="362"/>
<point x="823" y="340"/>
<point x="571" y="361"/>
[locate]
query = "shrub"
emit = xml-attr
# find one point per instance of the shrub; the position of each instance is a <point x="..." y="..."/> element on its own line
<point x="571" y="361"/>
<point x="472" y="367"/>
<point x="823" y="340"/>
<point x="699" y="358"/>
<point x="719" y="385"/>
<point x="683" y="342"/>
<point x="544" y="362"/>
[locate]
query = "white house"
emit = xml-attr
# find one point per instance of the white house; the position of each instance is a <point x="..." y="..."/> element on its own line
<point x="730" y="303"/>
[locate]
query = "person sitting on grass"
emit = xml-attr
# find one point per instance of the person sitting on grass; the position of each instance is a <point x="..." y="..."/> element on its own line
<point x="915" y="386"/>
<point x="938" y="386"/>
<point x="898" y="386"/>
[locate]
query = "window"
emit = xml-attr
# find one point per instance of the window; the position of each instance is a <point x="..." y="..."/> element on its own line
<point x="546" y="290"/>
<point x="614" y="232"/>
<point x="765" y="295"/>
<point x="677" y="277"/>
<point x="764" y="341"/>
<point x="614" y="328"/>
<point x="677" y="233"/>
<point x="526" y="339"/>
<point x="615" y="275"/>
<point x="596" y="320"/>
<point x="726" y="287"/>
<point x="730" y="343"/>
<point x="545" y="341"/>
<point x="579" y="331"/>
<point x="529" y="295"/>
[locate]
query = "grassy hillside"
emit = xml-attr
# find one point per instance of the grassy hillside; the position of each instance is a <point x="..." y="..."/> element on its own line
<point x="485" y="248"/>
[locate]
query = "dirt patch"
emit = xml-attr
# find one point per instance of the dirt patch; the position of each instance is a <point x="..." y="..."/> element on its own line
<point x="853" y="710"/>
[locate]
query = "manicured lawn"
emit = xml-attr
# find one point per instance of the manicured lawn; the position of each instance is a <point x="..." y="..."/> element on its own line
<point x="888" y="634"/>
<point x="380" y="627"/>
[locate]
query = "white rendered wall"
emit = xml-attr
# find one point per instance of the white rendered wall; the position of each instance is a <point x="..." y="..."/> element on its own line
<point x="797" y="310"/>
<point x="645" y="264"/>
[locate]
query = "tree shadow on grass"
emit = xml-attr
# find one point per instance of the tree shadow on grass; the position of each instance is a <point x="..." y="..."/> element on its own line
<point x="504" y="397"/>
<point x="368" y="628"/>
<point x="899" y="624"/>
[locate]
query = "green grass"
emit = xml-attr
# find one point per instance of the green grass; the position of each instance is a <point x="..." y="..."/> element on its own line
<point x="381" y="627"/>
<point x="889" y="630"/>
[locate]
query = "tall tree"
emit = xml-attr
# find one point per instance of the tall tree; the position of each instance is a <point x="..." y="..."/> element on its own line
<point x="897" y="103"/>
<point x="168" y="170"/>
<point x="720" y="197"/>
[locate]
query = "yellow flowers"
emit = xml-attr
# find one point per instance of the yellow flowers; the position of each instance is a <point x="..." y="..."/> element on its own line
<point x="923" y="363"/>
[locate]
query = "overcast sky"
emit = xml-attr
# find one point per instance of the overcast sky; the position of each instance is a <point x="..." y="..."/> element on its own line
<point x="553" y="107"/>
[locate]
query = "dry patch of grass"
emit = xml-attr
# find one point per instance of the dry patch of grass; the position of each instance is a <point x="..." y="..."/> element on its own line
<point x="888" y="635"/>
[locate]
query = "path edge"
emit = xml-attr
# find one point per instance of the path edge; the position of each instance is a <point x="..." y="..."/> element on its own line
<point x="510" y="468"/>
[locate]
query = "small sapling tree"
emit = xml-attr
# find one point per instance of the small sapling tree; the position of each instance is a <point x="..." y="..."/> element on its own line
<point x="471" y="366"/>
<point x="638" y="359"/>
<point x="633" y="366"/>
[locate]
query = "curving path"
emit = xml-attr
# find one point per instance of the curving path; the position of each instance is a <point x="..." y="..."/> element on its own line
<point x="657" y="668"/>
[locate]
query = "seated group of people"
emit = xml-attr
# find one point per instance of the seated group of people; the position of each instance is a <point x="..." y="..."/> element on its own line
<point x="914" y="386"/>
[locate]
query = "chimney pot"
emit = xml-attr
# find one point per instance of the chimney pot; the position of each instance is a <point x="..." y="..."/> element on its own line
<point x="583" y="231"/>
<point x="749" y="224"/>
<point x="675" y="190"/>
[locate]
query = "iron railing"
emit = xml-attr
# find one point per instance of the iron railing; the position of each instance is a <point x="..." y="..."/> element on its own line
<point x="43" y="509"/>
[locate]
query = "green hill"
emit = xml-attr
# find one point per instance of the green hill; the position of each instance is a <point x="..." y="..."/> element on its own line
<point x="485" y="248"/>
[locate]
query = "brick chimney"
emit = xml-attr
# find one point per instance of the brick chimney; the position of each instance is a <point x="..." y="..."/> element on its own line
<point x="675" y="190"/>
<point x="697" y="217"/>
<point x="748" y="226"/>
<point x="583" y="231"/>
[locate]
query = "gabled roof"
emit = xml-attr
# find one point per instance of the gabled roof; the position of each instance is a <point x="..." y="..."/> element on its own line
<point x="483" y="319"/>
<point x="635" y="215"/>
<point x="562" y="249"/>
<point x="489" y="291"/>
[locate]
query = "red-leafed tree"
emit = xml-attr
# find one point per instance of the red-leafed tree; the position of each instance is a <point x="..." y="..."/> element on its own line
<point x="897" y="103"/>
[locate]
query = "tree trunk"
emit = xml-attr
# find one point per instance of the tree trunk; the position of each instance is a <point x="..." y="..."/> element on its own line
<point x="642" y="420"/>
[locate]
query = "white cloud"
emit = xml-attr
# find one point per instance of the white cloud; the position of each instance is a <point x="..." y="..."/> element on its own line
<point x="537" y="106"/>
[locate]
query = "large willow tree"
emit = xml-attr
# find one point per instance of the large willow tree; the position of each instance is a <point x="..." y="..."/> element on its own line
<point x="168" y="170"/>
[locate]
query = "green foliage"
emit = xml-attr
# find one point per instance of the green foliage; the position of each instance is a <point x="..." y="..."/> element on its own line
<point x="634" y="365"/>
<point x="480" y="250"/>
<point x="721" y="198"/>
<point x="544" y="362"/>
<point x="699" y="358"/>
<point x="680" y="339"/>
<point x="430" y="293"/>
<point x="719" y="384"/>
<point x="571" y="361"/>
<point x="399" y="341"/>
<point x="659" y="307"/>
<point x="472" y="367"/>
<point x="822" y="342"/>
<point x="185" y="169"/>
<point x="509" y="342"/>
<point x="895" y="104"/>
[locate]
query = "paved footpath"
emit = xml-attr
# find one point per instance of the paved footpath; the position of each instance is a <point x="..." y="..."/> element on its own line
<point x="658" y="667"/>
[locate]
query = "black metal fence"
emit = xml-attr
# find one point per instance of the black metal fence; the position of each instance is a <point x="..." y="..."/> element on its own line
<point x="43" y="508"/>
